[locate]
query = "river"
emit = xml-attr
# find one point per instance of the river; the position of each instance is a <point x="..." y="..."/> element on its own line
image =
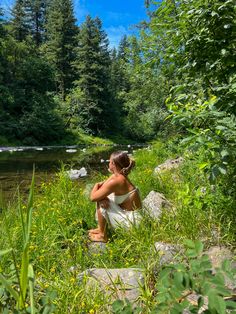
<point x="16" y="163"/>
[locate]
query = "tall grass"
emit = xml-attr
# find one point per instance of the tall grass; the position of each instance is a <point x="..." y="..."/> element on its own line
<point x="24" y="275"/>
<point x="62" y="214"/>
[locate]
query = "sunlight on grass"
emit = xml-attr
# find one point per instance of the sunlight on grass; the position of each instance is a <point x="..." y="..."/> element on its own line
<point x="62" y="214"/>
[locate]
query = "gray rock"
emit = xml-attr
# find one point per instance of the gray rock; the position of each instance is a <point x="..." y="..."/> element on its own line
<point x="96" y="247"/>
<point x="217" y="256"/>
<point x="167" y="252"/>
<point x="169" y="164"/>
<point x="76" y="174"/>
<point x="154" y="203"/>
<point x="115" y="283"/>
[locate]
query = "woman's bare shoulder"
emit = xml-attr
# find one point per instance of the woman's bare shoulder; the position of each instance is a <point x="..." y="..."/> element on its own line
<point x="113" y="181"/>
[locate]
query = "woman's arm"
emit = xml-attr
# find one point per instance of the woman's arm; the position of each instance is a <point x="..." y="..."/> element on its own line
<point x="102" y="190"/>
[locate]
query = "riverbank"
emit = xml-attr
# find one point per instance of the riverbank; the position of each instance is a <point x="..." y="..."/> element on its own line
<point x="62" y="214"/>
<point x="71" y="138"/>
<point x="16" y="163"/>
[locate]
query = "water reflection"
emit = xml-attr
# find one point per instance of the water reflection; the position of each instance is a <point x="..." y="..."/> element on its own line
<point x="16" y="163"/>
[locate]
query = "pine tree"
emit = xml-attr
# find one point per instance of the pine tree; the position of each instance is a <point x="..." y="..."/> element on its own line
<point x="36" y="15"/>
<point x="92" y="64"/>
<point x="120" y="79"/>
<point x="20" y="27"/>
<point x="123" y="48"/>
<point x="61" y="34"/>
<point x="2" y="33"/>
<point x="29" y="19"/>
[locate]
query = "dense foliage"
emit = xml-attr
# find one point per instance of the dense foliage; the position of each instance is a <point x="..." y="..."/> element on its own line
<point x="181" y="63"/>
<point x="177" y="76"/>
<point x="191" y="45"/>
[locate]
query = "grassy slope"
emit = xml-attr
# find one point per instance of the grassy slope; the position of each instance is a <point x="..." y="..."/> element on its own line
<point x="63" y="213"/>
<point x="73" y="137"/>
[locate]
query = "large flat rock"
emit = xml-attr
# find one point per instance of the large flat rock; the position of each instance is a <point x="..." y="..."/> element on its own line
<point x="167" y="252"/>
<point x="117" y="283"/>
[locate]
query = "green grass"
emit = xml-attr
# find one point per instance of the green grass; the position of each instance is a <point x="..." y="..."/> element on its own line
<point x="62" y="215"/>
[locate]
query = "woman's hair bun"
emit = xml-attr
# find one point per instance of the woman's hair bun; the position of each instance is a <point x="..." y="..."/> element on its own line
<point x="126" y="170"/>
<point x="123" y="162"/>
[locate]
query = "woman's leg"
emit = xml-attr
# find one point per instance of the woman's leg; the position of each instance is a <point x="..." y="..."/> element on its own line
<point x="96" y="230"/>
<point x="100" y="234"/>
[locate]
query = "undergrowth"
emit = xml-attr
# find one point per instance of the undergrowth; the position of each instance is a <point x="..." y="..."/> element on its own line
<point x="62" y="214"/>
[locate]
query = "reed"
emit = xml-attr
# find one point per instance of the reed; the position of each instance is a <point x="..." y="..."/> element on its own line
<point x="25" y="277"/>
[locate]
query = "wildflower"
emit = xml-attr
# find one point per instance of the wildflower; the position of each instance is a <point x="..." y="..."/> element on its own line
<point x="91" y="311"/>
<point x="31" y="247"/>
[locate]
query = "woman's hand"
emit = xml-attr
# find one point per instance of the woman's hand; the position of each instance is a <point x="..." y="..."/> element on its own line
<point x="97" y="185"/>
<point x="105" y="203"/>
<point x="100" y="184"/>
<point x="102" y="189"/>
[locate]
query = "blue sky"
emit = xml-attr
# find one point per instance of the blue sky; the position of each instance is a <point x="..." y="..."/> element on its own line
<point x="118" y="16"/>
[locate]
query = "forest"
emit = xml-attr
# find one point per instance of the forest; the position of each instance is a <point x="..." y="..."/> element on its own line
<point x="176" y="76"/>
<point x="171" y="86"/>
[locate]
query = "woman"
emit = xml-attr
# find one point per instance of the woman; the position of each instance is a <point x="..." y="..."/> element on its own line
<point x="121" y="208"/>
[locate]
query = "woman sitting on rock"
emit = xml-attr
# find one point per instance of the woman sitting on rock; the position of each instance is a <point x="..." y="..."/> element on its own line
<point x="118" y="200"/>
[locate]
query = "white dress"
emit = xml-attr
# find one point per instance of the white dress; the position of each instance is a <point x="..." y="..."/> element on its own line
<point x="117" y="216"/>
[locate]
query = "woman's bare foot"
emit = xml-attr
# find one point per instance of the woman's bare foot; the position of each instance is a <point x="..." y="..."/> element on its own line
<point x="94" y="231"/>
<point x="99" y="237"/>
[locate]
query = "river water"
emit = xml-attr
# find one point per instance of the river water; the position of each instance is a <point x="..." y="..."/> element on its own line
<point x="16" y="163"/>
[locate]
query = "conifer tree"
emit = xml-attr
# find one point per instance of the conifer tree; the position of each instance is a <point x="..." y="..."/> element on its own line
<point x="92" y="64"/>
<point x="36" y="15"/>
<point x="20" y="28"/>
<point x="61" y="34"/>
<point x="1" y="47"/>
<point x="29" y="19"/>
<point x="120" y="79"/>
<point x="123" y="48"/>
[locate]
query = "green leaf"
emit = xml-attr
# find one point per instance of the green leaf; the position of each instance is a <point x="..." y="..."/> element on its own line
<point x="9" y="288"/>
<point x="31" y="287"/>
<point x="189" y="243"/>
<point x="24" y="276"/>
<point x="223" y="52"/>
<point x="222" y="169"/>
<point x="203" y="165"/>
<point x="206" y="287"/>
<point x="186" y="280"/>
<point x="191" y="253"/>
<point x="226" y="265"/>
<point x="216" y="303"/>
<point x="3" y="252"/>
<point x="205" y="265"/>
<point x="230" y="305"/>
<point x="198" y="247"/>
<point x="224" y="153"/>
<point x="178" y="280"/>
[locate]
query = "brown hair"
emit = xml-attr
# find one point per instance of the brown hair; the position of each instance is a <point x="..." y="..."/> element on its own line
<point x="123" y="162"/>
